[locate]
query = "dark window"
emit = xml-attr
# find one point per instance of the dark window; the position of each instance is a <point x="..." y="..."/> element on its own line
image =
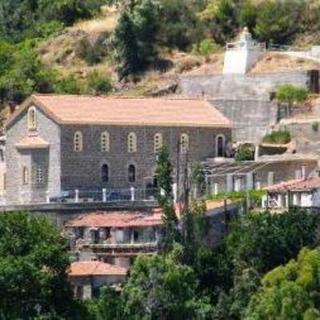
<point x="220" y="147"/>
<point x="105" y="173"/>
<point x="79" y="292"/>
<point x="132" y="173"/>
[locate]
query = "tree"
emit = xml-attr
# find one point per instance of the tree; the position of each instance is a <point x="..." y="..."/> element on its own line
<point x="291" y="95"/>
<point x="108" y="306"/>
<point x="126" y="47"/>
<point x="165" y="198"/>
<point x="21" y="19"/>
<point x="290" y="291"/>
<point x="180" y="26"/>
<point x="264" y="241"/>
<point x="278" y="21"/>
<point x="134" y="39"/>
<point x="24" y="74"/>
<point x="145" y="19"/>
<point x="69" y="84"/>
<point x="160" y="287"/>
<point x="256" y="243"/>
<point x="33" y="263"/>
<point x="222" y="15"/>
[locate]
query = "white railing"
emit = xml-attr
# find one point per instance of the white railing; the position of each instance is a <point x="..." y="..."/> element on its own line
<point x="104" y="195"/>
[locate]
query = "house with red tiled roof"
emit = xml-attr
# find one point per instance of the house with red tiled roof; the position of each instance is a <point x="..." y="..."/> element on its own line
<point x="88" y="277"/>
<point x="59" y="143"/>
<point x="115" y="237"/>
<point x="303" y="193"/>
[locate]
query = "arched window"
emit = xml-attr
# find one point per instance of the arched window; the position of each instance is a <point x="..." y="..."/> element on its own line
<point x="32" y="119"/>
<point x="77" y="142"/>
<point x="184" y="143"/>
<point x="39" y="176"/>
<point x="132" y="142"/>
<point x="105" y="173"/>
<point x="105" y="142"/>
<point x="132" y="173"/>
<point x="25" y="175"/>
<point x="220" y="146"/>
<point x="157" y="142"/>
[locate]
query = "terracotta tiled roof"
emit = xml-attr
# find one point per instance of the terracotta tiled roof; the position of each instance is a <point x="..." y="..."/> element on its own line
<point x="296" y="185"/>
<point x="71" y="109"/>
<point x="95" y="268"/>
<point x="117" y="219"/>
<point x="32" y="142"/>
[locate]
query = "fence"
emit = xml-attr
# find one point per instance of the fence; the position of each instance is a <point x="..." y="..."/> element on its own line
<point x="80" y="196"/>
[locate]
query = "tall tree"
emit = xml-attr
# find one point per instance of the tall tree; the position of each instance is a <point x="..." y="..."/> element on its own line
<point x="33" y="264"/>
<point x="145" y="17"/>
<point x="165" y="198"/>
<point x="126" y="47"/>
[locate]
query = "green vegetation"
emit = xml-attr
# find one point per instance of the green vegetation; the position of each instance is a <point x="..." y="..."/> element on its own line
<point x="219" y="283"/>
<point x="145" y="31"/>
<point x="315" y="126"/>
<point x="244" y="153"/>
<point x="164" y="172"/>
<point x="37" y="18"/>
<point x="290" y="291"/>
<point x="278" y="137"/>
<point x="234" y="280"/>
<point x="205" y="48"/>
<point x="98" y="83"/>
<point x="237" y="195"/>
<point x="33" y="264"/>
<point x="290" y="94"/>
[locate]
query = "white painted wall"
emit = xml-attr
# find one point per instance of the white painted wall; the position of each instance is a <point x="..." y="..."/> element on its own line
<point x="240" y="60"/>
<point x="316" y="198"/>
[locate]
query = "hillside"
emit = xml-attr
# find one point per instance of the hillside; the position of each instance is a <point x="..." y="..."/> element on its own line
<point x="127" y="49"/>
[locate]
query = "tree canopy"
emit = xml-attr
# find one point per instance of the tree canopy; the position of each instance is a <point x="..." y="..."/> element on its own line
<point x="33" y="264"/>
<point x="289" y="291"/>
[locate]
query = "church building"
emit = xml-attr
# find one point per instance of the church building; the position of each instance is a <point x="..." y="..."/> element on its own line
<point x="58" y="143"/>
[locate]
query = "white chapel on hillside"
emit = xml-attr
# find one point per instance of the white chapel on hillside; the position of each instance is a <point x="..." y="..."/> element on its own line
<point x="241" y="56"/>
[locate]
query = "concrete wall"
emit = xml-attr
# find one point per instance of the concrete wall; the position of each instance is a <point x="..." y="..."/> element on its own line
<point x="251" y="118"/>
<point x="241" y="60"/>
<point x="251" y="85"/>
<point x="246" y="99"/>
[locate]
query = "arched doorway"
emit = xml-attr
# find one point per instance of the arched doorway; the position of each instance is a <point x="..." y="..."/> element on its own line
<point x="132" y="173"/>
<point x="105" y="173"/>
<point x="220" y="146"/>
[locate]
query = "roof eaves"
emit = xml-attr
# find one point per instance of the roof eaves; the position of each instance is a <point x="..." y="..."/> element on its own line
<point x="32" y="100"/>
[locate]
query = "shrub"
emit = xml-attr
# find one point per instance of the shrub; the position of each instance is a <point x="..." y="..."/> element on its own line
<point x="278" y="137"/>
<point x="69" y="85"/>
<point x="290" y="94"/>
<point x="46" y="29"/>
<point x="187" y="64"/>
<point x="98" y="83"/>
<point x="206" y="47"/>
<point x="88" y="52"/>
<point x="244" y="153"/>
<point x="254" y="195"/>
<point x="315" y="126"/>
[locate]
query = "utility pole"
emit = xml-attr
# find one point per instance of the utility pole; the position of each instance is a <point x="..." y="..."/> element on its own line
<point x="178" y="175"/>
<point x="186" y="184"/>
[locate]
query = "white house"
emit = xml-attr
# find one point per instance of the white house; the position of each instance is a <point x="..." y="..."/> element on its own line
<point x="302" y="193"/>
